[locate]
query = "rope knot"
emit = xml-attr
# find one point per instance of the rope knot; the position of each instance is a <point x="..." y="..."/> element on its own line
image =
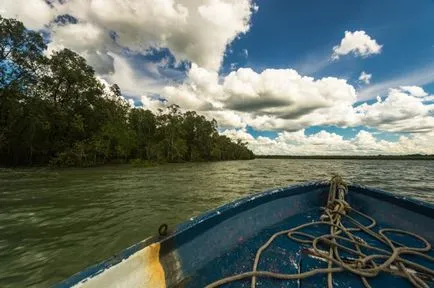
<point x="359" y="264"/>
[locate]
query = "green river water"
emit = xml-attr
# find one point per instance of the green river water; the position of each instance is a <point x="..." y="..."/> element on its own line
<point x="54" y="223"/>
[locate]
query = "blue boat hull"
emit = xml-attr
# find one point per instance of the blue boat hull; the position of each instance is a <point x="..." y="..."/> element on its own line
<point x="223" y="242"/>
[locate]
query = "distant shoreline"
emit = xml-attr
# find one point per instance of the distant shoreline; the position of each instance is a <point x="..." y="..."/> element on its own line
<point x="349" y="157"/>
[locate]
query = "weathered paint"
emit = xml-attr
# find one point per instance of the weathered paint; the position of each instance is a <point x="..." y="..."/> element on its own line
<point x="142" y="269"/>
<point x="224" y="241"/>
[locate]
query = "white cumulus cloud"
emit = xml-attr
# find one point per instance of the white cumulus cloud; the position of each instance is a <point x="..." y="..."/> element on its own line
<point x="35" y="14"/>
<point x="282" y="99"/>
<point x="326" y="143"/>
<point x="365" y="77"/>
<point x="359" y="43"/>
<point x="400" y="111"/>
<point x="193" y="30"/>
<point x="94" y="44"/>
<point x="415" y="91"/>
<point x="273" y="99"/>
<point x="245" y="53"/>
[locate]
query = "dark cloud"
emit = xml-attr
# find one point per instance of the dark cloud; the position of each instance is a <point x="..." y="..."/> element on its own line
<point x="295" y="114"/>
<point x="65" y="19"/>
<point x="254" y="105"/>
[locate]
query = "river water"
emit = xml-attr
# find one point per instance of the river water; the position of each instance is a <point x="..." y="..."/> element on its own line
<point x="54" y="223"/>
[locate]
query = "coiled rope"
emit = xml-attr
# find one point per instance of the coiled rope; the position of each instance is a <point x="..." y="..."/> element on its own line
<point x="363" y="265"/>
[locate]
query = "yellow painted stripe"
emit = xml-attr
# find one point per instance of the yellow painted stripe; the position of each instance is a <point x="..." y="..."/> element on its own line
<point x="153" y="268"/>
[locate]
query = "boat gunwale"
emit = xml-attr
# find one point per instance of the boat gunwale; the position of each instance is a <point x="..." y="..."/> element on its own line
<point x="408" y="203"/>
<point x="220" y="212"/>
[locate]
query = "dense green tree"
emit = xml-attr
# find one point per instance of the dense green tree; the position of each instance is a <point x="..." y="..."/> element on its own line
<point x="20" y="56"/>
<point x="72" y="91"/>
<point x="199" y="136"/>
<point x="171" y="135"/>
<point x="21" y="61"/>
<point x="54" y="110"/>
<point x="143" y="124"/>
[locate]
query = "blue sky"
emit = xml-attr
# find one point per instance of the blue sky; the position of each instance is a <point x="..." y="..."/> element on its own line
<point x="288" y="77"/>
<point x="301" y="34"/>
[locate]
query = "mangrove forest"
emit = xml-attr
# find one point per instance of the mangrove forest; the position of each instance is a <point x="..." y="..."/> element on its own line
<point x="54" y="110"/>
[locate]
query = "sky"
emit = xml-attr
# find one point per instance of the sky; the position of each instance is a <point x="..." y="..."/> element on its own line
<point x="287" y="77"/>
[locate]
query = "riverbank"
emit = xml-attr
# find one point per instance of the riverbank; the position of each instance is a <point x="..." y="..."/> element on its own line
<point x="133" y="163"/>
<point x="350" y="157"/>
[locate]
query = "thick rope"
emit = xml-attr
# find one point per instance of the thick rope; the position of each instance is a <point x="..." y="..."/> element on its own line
<point x="363" y="265"/>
